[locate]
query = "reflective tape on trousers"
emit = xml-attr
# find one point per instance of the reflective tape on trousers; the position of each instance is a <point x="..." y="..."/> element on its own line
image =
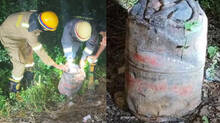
<point x="17" y="78"/>
<point x="29" y="65"/>
<point x="67" y="50"/>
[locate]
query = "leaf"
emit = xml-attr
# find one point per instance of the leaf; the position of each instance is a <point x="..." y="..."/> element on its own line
<point x="212" y="50"/>
<point x="96" y="82"/>
<point x="205" y="119"/>
<point x="192" y="26"/>
<point x="127" y="4"/>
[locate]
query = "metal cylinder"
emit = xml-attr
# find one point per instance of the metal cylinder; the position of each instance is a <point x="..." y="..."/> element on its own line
<point x="69" y="85"/>
<point x="165" y="53"/>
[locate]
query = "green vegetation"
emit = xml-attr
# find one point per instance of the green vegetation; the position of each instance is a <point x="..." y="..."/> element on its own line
<point x="205" y="119"/>
<point x="127" y="4"/>
<point x="212" y="51"/>
<point x="35" y="99"/>
<point x="44" y="93"/>
<point x="211" y="6"/>
<point x="192" y="26"/>
<point x="213" y="55"/>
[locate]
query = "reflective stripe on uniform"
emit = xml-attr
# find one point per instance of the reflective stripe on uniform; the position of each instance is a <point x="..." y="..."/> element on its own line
<point x="87" y="50"/>
<point x="19" y="20"/>
<point x="90" y="60"/>
<point x="17" y="79"/>
<point x="37" y="47"/>
<point x="67" y="50"/>
<point x="29" y="65"/>
<point x="14" y="80"/>
<point x="25" y="25"/>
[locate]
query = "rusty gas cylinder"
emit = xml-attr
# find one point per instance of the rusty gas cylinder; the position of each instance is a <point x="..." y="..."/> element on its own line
<point x="71" y="81"/>
<point x="165" y="55"/>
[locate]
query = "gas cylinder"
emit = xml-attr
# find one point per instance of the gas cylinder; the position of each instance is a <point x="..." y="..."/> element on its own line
<point x="71" y="81"/>
<point x="165" y="57"/>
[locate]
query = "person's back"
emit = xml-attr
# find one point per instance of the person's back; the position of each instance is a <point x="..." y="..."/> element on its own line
<point x="19" y="35"/>
<point x="16" y="25"/>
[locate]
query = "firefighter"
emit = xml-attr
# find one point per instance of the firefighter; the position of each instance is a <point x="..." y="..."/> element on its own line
<point x="76" y="32"/>
<point x="19" y="35"/>
<point x="101" y="48"/>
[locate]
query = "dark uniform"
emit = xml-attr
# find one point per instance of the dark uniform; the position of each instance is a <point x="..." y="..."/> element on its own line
<point x="71" y="43"/>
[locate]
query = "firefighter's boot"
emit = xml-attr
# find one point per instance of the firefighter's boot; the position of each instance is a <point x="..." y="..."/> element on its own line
<point x="14" y="85"/>
<point x="28" y="79"/>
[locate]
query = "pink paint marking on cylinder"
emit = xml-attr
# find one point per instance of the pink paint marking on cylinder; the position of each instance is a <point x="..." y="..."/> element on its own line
<point x="146" y="59"/>
<point x="159" y="86"/>
<point x="67" y="85"/>
<point x="183" y="90"/>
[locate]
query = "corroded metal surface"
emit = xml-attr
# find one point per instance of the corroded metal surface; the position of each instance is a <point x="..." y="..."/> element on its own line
<point x="165" y="51"/>
<point x="69" y="84"/>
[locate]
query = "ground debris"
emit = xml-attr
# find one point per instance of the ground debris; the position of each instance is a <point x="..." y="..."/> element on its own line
<point x="115" y="114"/>
<point x="90" y="107"/>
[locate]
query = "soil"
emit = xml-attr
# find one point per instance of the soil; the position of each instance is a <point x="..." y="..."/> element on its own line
<point x="117" y="110"/>
<point x="91" y="104"/>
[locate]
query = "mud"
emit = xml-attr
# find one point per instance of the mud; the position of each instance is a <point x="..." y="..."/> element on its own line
<point x="91" y="104"/>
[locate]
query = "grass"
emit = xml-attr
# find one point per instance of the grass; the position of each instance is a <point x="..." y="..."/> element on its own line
<point x="213" y="55"/>
<point x="43" y="94"/>
<point x="35" y="99"/>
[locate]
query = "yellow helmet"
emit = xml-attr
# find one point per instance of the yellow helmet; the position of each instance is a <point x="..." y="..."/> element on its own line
<point x="83" y="30"/>
<point x="48" y="20"/>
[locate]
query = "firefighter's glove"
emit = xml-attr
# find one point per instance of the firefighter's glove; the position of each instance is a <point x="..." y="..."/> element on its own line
<point x="92" y="59"/>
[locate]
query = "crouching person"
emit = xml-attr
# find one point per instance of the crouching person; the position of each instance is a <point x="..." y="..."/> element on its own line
<point x="19" y="35"/>
<point x="102" y="46"/>
<point x="76" y="33"/>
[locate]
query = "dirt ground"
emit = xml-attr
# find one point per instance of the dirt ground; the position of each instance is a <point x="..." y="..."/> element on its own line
<point x="92" y="104"/>
<point x="117" y="111"/>
<point x="89" y="107"/>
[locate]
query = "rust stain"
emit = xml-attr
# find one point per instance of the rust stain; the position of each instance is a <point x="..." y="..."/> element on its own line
<point x="182" y="90"/>
<point x="62" y="90"/>
<point x="144" y="58"/>
<point x="131" y="80"/>
<point x="159" y="86"/>
<point x="69" y="86"/>
<point x="142" y="85"/>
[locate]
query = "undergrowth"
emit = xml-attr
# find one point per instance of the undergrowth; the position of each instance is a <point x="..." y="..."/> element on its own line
<point x="43" y="94"/>
<point x="213" y="55"/>
<point x="37" y="98"/>
<point x="211" y="6"/>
